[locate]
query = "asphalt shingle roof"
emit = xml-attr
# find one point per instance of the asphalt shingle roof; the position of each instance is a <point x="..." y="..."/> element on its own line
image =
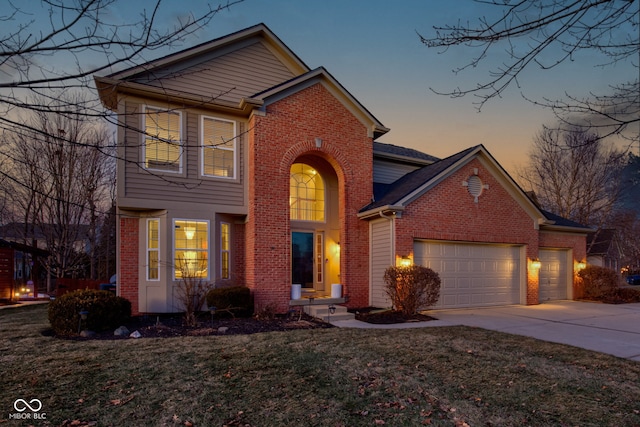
<point x="411" y="181"/>
<point x="396" y="150"/>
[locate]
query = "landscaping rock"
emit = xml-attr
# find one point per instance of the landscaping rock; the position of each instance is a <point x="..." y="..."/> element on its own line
<point x="122" y="331"/>
<point x="87" y="334"/>
<point x="222" y="330"/>
<point x="135" y="334"/>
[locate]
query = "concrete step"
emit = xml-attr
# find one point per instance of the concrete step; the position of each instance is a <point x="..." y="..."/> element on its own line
<point x="322" y="312"/>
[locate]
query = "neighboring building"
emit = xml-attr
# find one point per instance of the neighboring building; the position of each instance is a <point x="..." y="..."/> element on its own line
<point x="37" y="235"/>
<point x="603" y="249"/>
<point x="19" y="267"/>
<point x="240" y="165"/>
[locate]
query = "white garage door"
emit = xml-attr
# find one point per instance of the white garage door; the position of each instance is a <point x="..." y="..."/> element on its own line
<point x="553" y="274"/>
<point x="472" y="275"/>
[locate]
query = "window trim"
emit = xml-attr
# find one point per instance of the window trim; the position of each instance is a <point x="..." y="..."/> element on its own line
<point x="145" y="136"/>
<point x="223" y="251"/>
<point x="204" y="146"/>
<point x="149" y="250"/>
<point x="174" y="249"/>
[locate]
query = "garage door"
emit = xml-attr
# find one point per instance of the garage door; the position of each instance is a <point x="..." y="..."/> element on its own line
<point x="553" y="274"/>
<point x="472" y="275"/>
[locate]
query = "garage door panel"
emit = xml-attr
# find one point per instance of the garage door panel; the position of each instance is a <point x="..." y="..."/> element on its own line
<point x="553" y="274"/>
<point x="472" y="275"/>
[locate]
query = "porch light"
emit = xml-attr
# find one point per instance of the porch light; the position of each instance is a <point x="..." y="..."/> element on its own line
<point x="189" y="232"/>
<point x="405" y="261"/>
<point x="581" y="265"/>
<point x="535" y="263"/>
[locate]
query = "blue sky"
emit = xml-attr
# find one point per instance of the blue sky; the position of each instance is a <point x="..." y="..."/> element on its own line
<point x="372" y="48"/>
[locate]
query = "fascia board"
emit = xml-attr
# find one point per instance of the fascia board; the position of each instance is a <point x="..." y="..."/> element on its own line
<point x="108" y="89"/>
<point x="380" y="211"/>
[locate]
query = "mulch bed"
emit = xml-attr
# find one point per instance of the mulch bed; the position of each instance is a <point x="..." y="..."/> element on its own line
<point x="387" y="317"/>
<point x="173" y="326"/>
<point x="166" y="326"/>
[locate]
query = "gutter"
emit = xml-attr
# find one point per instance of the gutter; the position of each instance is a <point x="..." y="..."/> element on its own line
<point x="382" y="211"/>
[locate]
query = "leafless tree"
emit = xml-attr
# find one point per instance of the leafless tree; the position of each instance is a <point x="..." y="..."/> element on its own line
<point x="51" y="47"/>
<point x="58" y="175"/>
<point x="543" y="34"/>
<point x="575" y="175"/>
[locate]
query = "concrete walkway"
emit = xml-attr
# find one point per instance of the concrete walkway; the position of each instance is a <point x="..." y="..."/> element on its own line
<point x="606" y="328"/>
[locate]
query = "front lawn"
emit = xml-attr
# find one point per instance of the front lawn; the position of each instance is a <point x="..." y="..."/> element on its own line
<point x="321" y="377"/>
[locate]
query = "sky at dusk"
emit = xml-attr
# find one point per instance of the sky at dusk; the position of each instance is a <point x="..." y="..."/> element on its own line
<point x="373" y="49"/>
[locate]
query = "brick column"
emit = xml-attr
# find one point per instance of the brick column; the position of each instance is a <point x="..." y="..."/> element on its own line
<point x="128" y="261"/>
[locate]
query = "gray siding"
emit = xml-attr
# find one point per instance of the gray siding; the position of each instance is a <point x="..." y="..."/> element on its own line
<point x="230" y="77"/>
<point x="188" y="187"/>
<point x="386" y="172"/>
<point x="381" y="259"/>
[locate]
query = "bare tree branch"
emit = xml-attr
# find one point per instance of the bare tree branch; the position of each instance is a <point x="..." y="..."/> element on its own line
<point x="544" y="34"/>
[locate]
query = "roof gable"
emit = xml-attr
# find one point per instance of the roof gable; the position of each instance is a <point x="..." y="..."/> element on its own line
<point x="322" y="76"/>
<point x="223" y="71"/>
<point x="415" y="184"/>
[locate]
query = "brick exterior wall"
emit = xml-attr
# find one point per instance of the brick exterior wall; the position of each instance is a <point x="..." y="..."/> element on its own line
<point x="276" y="140"/>
<point x="448" y="212"/>
<point x="128" y="268"/>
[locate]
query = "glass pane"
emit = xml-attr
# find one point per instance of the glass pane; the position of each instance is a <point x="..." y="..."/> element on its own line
<point x="162" y="143"/>
<point x="152" y="242"/>
<point x="191" y="243"/>
<point x="302" y="259"/>
<point x="224" y="236"/>
<point x="153" y="265"/>
<point x="306" y="193"/>
<point x="219" y="147"/>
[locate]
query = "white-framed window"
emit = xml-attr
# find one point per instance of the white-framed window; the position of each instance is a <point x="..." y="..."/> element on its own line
<point x="219" y="148"/>
<point x="153" y="249"/>
<point x="162" y="148"/>
<point x="306" y="194"/>
<point x="225" y="250"/>
<point x="190" y="249"/>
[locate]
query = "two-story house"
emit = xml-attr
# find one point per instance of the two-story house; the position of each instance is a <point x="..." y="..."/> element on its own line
<point x="238" y="164"/>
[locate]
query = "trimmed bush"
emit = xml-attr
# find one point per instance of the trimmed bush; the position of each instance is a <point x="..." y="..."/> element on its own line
<point x="625" y="295"/>
<point x="412" y="288"/>
<point x="105" y="311"/>
<point x="599" y="282"/>
<point x="235" y="300"/>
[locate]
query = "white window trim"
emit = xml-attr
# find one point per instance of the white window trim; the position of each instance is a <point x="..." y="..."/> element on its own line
<point x="146" y="254"/>
<point x="203" y="146"/>
<point x="173" y="245"/>
<point x="145" y="108"/>
<point x="228" y="251"/>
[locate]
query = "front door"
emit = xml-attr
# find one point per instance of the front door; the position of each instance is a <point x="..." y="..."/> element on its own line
<point x="307" y="254"/>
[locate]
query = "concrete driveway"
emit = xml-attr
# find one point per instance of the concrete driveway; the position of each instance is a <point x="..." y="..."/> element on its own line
<point x="607" y="328"/>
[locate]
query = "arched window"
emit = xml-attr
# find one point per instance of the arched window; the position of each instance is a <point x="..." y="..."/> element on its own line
<point x="306" y="193"/>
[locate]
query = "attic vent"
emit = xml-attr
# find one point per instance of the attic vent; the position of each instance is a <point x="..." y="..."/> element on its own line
<point x="475" y="187"/>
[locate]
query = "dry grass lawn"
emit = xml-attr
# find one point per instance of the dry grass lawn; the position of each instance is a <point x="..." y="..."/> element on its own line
<point x="326" y="377"/>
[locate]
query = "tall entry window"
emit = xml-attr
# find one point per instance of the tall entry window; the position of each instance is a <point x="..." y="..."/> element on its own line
<point x="306" y="194"/>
